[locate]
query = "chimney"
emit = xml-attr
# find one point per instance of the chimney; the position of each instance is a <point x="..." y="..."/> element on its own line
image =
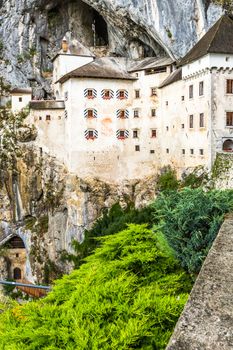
<point x="64" y="45"/>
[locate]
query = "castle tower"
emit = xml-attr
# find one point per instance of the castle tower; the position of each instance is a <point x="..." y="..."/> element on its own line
<point x="69" y="58"/>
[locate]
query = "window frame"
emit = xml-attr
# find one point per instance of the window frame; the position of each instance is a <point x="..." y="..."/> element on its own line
<point x="191" y="121"/>
<point x="191" y="94"/>
<point x="231" y="116"/>
<point x="137" y="93"/>
<point x="231" y="82"/>
<point x="153" y="133"/>
<point x="153" y="112"/>
<point x="201" y="120"/>
<point x="153" y="91"/>
<point x="136" y="111"/>
<point x="201" y="88"/>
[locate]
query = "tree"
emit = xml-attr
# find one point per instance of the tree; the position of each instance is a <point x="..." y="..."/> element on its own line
<point x="190" y="220"/>
<point x="128" y="295"/>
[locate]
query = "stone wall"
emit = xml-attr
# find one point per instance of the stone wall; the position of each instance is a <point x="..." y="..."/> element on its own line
<point x="206" y="322"/>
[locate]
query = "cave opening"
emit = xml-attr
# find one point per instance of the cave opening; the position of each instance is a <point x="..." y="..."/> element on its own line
<point x="100" y="30"/>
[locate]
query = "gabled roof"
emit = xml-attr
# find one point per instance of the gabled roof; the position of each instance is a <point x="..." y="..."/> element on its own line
<point x="21" y="91"/>
<point x="101" y="68"/>
<point x="173" y="77"/>
<point x="219" y="39"/>
<point x="151" y="62"/>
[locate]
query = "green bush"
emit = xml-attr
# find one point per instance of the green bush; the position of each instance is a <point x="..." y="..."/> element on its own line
<point x="112" y="221"/>
<point x="167" y="180"/>
<point x="190" y="220"/>
<point x="128" y="295"/>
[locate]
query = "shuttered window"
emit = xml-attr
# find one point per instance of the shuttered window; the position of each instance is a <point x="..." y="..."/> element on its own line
<point x="229" y="86"/>
<point x="229" y="119"/>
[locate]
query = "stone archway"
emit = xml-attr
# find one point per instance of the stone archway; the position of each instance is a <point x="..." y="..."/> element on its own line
<point x="227" y="145"/>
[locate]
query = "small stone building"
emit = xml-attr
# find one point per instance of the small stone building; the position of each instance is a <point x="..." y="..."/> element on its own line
<point x="14" y="254"/>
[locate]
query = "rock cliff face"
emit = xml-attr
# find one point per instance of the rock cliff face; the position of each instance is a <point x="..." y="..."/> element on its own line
<point x="48" y="208"/>
<point x="31" y="31"/>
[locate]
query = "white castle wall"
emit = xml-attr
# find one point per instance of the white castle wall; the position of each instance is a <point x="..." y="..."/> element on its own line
<point x="20" y="101"/>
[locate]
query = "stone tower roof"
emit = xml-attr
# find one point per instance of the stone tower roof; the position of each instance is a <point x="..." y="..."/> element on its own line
<point x="219" y="39"/>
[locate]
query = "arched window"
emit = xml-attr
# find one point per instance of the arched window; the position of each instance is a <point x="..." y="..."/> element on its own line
<point x="227" y="146"/>
<point x="17" y="273"/>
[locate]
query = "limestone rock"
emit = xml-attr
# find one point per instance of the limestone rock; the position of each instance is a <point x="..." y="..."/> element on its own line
<point x="31" y="31"/>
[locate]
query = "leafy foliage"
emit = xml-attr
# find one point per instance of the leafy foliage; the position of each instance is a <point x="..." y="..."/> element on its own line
<point x="128" y="295"/>
<point x="190" y="220"/>
<point x="167" y="180"/>
<point x="112" y="221"/>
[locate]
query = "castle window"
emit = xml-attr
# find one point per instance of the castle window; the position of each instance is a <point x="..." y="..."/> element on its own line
<point x="136" y="113"/>
<point x="123" y="114"/>
<point x="48" y="117"/>
<point x="107" y="94"/>
<point x="167" y="150"/>
<point x="229" y="118"/>
<point x="183" y="151"/>
<point x="122" y="134"/>
<point x="201" y="120"/>
<point x="66" y="96"/>
<point x="90" y="113"/>
<point x="153" y="133"/>
<point x="90" y="93"/>
<point x="91" y="134"/>
<point x="166" y="103"/>
<point x="201" y="88"/>
<point x="201" y="152"/>
<point x="137" y="93"/>
<point x="135" y="134"/>
<point x="182" y="126"/>
<point x="153" y="91"/>
<point x="122" y="94"/>
<point x="20" y="99"/>
<point x="229" y="86"/>
<point x="167" y="128"/>
<point x="191" y="122"/>
<point x="190" y="91"/>
<point x="191" y="151"/>
<point x="152" y="151"/>
<point x="137" y="148"/>
<point x="182" y="98"/>
<point x="40" y="118"/>
<point x="17" y="274"/>
<point x="153" y="112"/>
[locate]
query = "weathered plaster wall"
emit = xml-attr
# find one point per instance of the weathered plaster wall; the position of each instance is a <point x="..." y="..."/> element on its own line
<point x="206" y="322"/>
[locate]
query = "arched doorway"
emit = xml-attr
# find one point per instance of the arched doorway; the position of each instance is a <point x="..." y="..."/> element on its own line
<point x="17" y="273"/>
<point x="228" y="146"/>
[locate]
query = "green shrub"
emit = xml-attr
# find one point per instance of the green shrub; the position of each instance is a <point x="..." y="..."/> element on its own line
<point x="112" y="221"/>
<point x="167" y="180"/>
<point x="128" y="295"/>
<point x="190" y="220"/>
